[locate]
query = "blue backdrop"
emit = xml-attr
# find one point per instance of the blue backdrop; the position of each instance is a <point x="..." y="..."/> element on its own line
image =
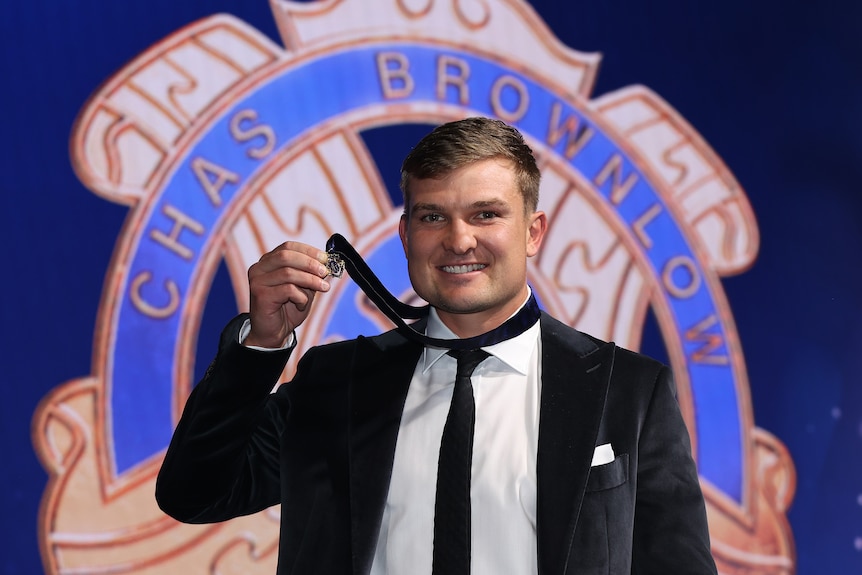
<point x="774" y="87"/>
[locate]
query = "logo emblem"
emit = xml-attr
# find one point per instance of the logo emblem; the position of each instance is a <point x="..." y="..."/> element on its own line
<point x="224" y="145"/>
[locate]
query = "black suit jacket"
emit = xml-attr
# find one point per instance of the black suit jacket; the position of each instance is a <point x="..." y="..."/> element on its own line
<point x="323" y="446"/>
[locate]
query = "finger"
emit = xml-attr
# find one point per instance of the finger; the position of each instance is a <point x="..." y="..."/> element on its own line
<point x="282" y="259"/>
<point x="303" y="303"/>
<point x="281" y="276"/>
<point x="293" y="259"/>
<point x="305" y="249"/>
<point x="272" y="298"/>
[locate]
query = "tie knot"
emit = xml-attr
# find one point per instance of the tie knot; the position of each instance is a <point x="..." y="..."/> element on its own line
<point x="468" y="359"/>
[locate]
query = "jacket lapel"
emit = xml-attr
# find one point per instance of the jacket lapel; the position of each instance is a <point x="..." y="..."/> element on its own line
<point x="575" y="376"/>
<point x="383" y="368"/>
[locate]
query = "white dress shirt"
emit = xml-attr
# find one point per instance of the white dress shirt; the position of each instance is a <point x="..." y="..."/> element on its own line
<point x="503" y="484"/>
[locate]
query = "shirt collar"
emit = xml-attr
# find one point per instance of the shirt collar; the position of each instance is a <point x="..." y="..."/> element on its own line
<point x="514" y="352"/>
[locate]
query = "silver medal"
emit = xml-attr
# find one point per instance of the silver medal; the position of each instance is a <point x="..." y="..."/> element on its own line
<point x="335" y="264"/>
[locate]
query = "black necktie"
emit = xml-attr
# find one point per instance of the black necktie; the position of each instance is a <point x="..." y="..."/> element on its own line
<point x="452" y="508"/>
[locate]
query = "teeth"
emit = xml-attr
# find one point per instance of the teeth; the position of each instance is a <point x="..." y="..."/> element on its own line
<point x="463" y="269"/>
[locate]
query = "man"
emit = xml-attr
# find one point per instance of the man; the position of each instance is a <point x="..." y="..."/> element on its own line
<point x="581" y="463"/>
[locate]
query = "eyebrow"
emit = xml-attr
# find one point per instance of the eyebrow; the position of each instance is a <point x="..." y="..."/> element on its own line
<point x="426" y="207"/>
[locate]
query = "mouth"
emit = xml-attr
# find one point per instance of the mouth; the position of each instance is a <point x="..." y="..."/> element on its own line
<point x="463" y="269"/>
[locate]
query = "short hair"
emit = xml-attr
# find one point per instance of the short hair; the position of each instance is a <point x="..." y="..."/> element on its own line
<point x="456" y="144"/>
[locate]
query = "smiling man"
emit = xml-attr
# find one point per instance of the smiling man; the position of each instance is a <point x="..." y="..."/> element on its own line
<point x="544" y="450"/>
<point x="467" y="235"/>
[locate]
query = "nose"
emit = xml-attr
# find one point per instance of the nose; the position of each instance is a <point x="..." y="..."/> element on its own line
<point x="460" y="237"/>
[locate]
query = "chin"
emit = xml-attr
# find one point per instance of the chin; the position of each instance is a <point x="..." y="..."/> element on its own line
<point x="459" y="310"/>
<point x="462" y="306"/>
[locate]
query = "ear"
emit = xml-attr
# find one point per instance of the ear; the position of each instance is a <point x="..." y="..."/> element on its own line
<point x="536" y="228"/>
<point x="402" y="232"/>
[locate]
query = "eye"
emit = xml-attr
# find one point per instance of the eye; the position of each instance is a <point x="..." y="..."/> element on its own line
<point x="487" y="215"/>
<point x="431" y="218"/>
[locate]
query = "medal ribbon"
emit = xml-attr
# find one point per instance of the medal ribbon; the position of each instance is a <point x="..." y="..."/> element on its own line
<point x="343" y="256"/>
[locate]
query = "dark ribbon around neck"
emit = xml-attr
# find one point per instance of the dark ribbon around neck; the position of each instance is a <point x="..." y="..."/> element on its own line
<point x="343" y="256"/>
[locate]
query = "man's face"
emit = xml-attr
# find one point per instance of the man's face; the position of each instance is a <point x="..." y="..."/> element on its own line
<point x="467" y="238"/>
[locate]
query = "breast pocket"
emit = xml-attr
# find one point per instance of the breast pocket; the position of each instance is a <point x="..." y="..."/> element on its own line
<point x="609" y="475"/>
<point x="604" y="523"/>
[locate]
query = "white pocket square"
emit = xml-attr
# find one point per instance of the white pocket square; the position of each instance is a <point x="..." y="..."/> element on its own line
<point x="602" y="455"/>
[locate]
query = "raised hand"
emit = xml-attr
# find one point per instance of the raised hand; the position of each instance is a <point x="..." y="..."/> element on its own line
<point x="282" y="286"/>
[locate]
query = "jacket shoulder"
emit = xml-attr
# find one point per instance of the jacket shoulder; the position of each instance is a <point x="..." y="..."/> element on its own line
<point x="585" y="344"/>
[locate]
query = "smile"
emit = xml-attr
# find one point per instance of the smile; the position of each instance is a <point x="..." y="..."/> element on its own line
<point x="463" y="269"/>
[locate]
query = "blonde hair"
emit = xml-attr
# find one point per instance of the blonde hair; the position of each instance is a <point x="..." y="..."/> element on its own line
<point x="456" y="144"/>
